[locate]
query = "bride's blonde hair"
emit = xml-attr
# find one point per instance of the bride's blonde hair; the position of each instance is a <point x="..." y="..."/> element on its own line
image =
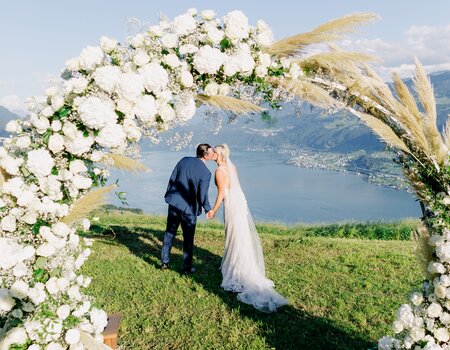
<point x="223" y="151"/>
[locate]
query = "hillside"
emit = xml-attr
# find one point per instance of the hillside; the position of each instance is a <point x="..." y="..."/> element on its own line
<point x="5" y="117"/>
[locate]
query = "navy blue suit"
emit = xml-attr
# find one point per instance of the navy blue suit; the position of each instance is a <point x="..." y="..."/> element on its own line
<point x="187" y="194"/>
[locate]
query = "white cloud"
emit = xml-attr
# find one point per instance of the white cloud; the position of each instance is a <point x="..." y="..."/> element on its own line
<point x="431" y="45"/>
<point x="14" y="103"/>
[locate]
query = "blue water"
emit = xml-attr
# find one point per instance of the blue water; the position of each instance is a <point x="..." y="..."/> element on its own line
<point x="275" y="191"/>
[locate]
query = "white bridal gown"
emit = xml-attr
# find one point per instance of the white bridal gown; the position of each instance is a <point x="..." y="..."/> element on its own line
<point x="243" y="262"/>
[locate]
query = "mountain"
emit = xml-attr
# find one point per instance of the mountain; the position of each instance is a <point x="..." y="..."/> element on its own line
<point x="5" y="116"/>
<point x="340" y="132"/>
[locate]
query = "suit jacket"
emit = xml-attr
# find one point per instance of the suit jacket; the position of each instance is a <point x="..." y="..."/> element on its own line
<point x="188" y="186"/>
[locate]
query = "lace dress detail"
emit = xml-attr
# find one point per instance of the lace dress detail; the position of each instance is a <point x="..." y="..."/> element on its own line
<point x="242" y="264"/>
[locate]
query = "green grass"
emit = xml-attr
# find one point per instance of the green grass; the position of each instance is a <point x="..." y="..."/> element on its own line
<point x="344" y="292"/>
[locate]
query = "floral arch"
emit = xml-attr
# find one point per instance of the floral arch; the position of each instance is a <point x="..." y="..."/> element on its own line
<point x="55" y="164"/>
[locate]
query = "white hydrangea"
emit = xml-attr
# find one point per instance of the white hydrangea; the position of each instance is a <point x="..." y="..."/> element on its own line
<point x="406" y="316"/>
<point x="185" y="107"/>
<point x="236" y="25"/>
<point x="184" y="24"/>
<point x="40" y="162"/>
<point x="435" y="267"/>
<point x="145" y="108"/>
<point x="265" y="38"/>
<point x="155" y="76"/>
<point x="172" y="60"/>
<point x="186" y="78"/>
<point x="141" y="58"/>
<point x="79" y="144"/>
<point x="417" y="334"/>
<point x="107" y="77"/>
<point x="90" y="57"/>
<point x="209" y="60"/>
<point x="167" y="113"/>
<point x="188" y="49"/>
<point x="208" y="15"/>
<point x="11" y="165"/>
<point x="417" y="298"/>
<point x="111" y="136"/>
<point x="82" y="182"/>
<point x="96" y="113"/>
<point x="434" y="310"/>
<point x="169" y="40"/>
<point x="443" y="252"/>
<point x="130" y="86"/>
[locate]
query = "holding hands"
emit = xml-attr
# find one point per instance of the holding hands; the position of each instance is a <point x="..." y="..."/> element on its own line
<point x="210" y="214"/>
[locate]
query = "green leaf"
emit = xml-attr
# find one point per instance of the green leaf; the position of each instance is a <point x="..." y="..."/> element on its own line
<point x="38" y="225"/>
<point x="41" y="262"/>
<point x="55" y="171"/>
<point x="65" y="111"/>
<point x="47" y="135"/>
<point x="86" y="133"/>
<point x="225" y="44"/>
<point x="96" y="132"/>
<point x="40" y="275"/>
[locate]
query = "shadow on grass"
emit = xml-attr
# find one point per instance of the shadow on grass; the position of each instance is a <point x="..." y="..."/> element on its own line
<point x="289" y="328"/>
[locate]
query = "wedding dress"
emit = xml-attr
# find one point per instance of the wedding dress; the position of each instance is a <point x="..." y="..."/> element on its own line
<point x="243" y="262"/>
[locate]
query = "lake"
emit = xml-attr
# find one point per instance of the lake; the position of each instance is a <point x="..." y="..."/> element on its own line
<point x="276" y="192"/>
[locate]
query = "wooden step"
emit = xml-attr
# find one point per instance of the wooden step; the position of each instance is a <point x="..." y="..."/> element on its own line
<point x="111" y="332"/>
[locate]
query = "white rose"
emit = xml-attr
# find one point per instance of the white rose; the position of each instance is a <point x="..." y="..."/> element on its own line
<point x="107" y="44"/>
<point x="51" y="285"/>
<point x="57" y="102"/>
<point x="137" y="40"/>
<point x="231" y="66"/>
<point x="417" y="298"/>
<point x="97" y="156"/>
<point x="15" y="336"/>
<point x="74" y="293"/>
<point x="155" y="31"/>
<point x="208" y="15"/>
<point x="52" y="90"/>
<point x="224" y="89"/>
<point x="56" y="143"/>
<point x="70" y="130"/>
<point x="397" y="327"/>
<point x="440" y="291"/>
<point x="443" y="252"/>
<point x="187" y="79"/>
<point x="76" y="85"/>
<point x="99" y="319"/>
<point x="40" y="162"/>
<point x="264" y="59"/>
<point x="46" y="250"/>
<point x="442" y="335"/>
<point x="41" y="124"/>
<point x="23" y="142"/>
<point x="8" y="223"/>
<point x="13" y="126"/>
<point x="167" y="113"/>
<point x="56" y="125"/>
<point x="445" y="318"/>
<point x="405" y="315"/>
<point x="124" y="106"/>
<point x="435" y="267"/>
<point x="72" y="336"/>
<point x="54" y="346"/>
<point x="417" y="334"/>
<point x="73" y="64"/>
<point x="11" y="165"/>
<point x="261" y="71"/>
<point x="81" y="182"/>
<point x="188" y="49"/>
<point x="20" y="269"/>
<point x="169" y="40"/>
<point x="19" y="289"/>
<point x="446" y="200"/>
<point x="6" y="301"/>
<point x="63" y="312"/>
<point x="172" y="60"/>
<point x="141" y="58"/>
<point x="434" y="310"/>
<point x="215" y="35"/>
<point x="212" y="89"/>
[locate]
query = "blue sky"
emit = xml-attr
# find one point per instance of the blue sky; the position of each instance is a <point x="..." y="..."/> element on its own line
<point x="37" y="37"/>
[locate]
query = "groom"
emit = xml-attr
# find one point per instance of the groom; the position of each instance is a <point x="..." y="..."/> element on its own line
<point x="187" y="194"/>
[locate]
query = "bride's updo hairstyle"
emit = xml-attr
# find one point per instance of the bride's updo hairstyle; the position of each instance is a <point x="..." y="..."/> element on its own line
<point x="223" y="151"/>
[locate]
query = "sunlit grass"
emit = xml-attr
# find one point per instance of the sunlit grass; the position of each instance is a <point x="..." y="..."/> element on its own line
<point x="343" y="292"/>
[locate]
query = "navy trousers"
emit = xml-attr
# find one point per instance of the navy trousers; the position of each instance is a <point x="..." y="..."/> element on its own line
<point x="174" y="218"/>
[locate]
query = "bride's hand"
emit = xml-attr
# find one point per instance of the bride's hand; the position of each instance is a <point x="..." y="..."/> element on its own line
<point x="211" y="214"/>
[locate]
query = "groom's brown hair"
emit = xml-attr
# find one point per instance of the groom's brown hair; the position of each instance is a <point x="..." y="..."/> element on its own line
<point x="202" y="150"/>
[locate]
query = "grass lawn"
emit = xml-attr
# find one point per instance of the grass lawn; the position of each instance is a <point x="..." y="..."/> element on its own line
<point x="344" y="292"/>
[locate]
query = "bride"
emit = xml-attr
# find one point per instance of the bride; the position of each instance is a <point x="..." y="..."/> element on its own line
<point x="243" y="262"/>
